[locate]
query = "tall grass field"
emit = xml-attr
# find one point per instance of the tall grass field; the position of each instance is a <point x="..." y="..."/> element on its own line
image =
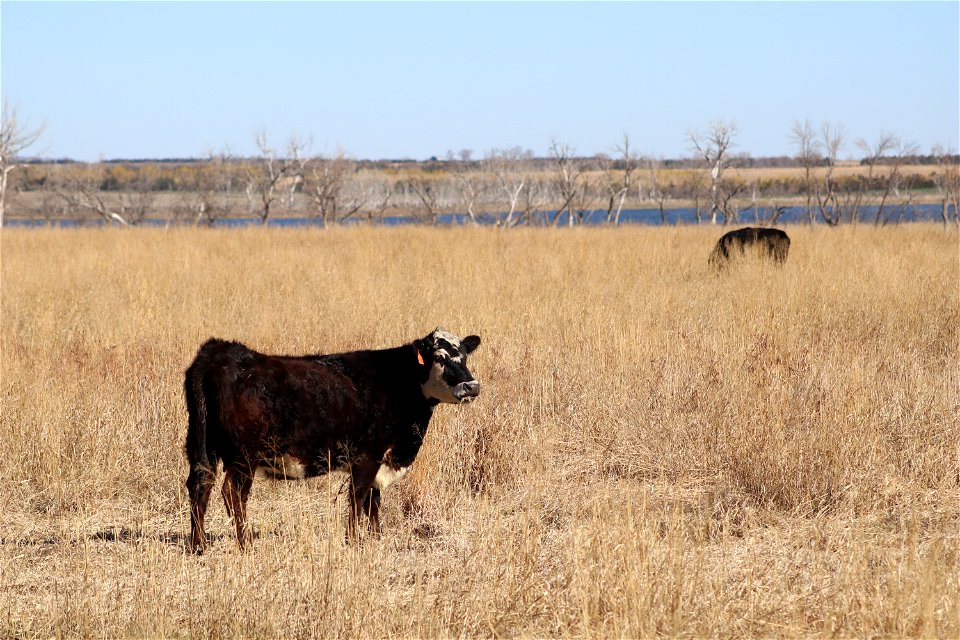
<point x="658" y="449"/>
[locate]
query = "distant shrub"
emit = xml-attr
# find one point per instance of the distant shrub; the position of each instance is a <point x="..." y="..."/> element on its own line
<point x="164" y="183"/>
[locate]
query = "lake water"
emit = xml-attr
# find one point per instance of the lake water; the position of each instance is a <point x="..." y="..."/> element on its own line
<point x="650" y="217"/>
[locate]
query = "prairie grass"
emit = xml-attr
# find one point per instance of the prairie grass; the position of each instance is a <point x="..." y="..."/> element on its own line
<point x="657" y="450"/>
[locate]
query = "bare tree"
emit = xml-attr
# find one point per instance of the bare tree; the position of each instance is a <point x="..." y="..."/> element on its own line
<point x="619" y="182"/>
<point x="692" y="185"/>
<point x="509" y="168"/>
<point x="894" y="151"/>
<point x="587" y="198"/>
<point x="50" y="205"/>
<point x="213" y="181"/>
<point x="831" y="202"/>
<point x="270" y="177"/>
<point x="81" y="192"/>
<point x="657" y="189"/>
<point x="378" y="194"/>
<point x="714" y="147"/>
<point x="327" y="185"/>
<point x="947" y="180"/>
<point x="138" y="200"/>
<point x="428" y="192"/>
<point x="609" y="182"/>
<point x="569" y="179"/>
<point x="471" y="181"/>
<point x="727" y="200"/>
<point x="766" y="215"/>
<point x="533" y="200"/>
<point x="808" y="148"/>
<point x="874" y="153"/>
<point x="16" y="136"/>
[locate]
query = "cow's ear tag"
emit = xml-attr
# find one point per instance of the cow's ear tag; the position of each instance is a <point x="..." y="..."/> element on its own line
<point x="419" y="357"/>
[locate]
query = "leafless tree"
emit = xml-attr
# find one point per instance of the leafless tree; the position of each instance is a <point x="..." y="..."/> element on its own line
<point x="209" y="195"/>
<point x="803" y="135"/>
<point x="137" y="202"/>
<point x="771" y="218"/>
<point x="570" y="181"/>
<point x="50" y="205"/>
<point x="509" y="168"/>
<point x="874" y="153"/>
<point x="80" y="192"/>
<point x="428" y="193"/>
<point x="533" y="200"/>
<point x="588" y="195"/>
<point x="947" y="180"/>
<point x="727" y="200"/>
<point x="765" y="215"/>
<point x="270" y="176"/>
<point x="16" y="136"/>
<point x="327" y="182"/>
<point x="657" y="189"/>
<point x="895" y="152"/>
<point x="472" y="182"/>
<point x="831" y="201"/>
<point x="714" y="147"/>
<point x="378" y="193"/>
<point x="619" y="181"/>
<point x="692" y="184"/>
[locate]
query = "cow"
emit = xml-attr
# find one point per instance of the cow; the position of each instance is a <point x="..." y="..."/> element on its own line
<point x="771" y="242"/>
<point x="361" y="412"/>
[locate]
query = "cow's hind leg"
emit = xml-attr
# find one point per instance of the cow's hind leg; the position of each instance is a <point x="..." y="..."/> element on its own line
<point x="199" y="485"/>
<point x="236" y="490"/>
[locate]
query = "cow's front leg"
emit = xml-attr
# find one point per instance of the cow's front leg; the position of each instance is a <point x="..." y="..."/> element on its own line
<point x="371" y="507"/>
<point x="364" y="498"/>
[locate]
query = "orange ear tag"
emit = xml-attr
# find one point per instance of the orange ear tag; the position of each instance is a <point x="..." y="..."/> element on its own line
<point x="419" y="357"/>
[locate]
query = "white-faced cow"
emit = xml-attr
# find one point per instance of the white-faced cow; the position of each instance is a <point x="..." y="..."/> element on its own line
<point x="362" y="412"/>
<point x="773" y="243"/>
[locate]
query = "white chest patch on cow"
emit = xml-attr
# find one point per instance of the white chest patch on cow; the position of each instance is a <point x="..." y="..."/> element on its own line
<point x="387" y="475"/>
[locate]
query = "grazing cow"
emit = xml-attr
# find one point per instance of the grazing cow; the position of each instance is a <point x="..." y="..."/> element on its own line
<point x="772" y="242"/>
<point x="362" y="412"/>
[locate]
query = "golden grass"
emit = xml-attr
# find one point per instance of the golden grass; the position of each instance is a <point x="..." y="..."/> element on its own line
<point x="843" y="168"/>
<point x="657" y="450"/>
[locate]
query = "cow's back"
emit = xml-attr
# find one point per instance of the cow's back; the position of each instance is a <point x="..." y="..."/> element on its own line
<point x="774" y="242"/>
<point x="314" y="408"/>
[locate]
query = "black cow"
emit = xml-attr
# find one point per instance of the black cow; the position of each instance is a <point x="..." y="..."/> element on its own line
<point x="772" y="242"/>
<point x="363" y="412"/>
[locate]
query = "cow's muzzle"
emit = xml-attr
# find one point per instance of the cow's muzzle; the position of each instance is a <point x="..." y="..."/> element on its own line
<point x="467" y="391"/>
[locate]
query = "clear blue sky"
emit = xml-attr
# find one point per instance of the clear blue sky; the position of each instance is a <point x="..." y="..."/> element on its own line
<point x="412" y="80"/>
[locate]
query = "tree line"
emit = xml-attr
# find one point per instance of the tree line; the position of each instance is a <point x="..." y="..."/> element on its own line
<point x="511" y="186"/>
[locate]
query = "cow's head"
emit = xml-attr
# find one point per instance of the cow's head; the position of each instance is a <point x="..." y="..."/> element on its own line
<point x="442" y="358"/>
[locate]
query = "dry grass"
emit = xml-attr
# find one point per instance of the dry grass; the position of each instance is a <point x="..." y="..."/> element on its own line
<point x="843" y="168"/>
<point x="657" y="450"/>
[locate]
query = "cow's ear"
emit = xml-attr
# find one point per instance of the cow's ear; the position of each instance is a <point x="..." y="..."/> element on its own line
<point x="423" y="353"/>
<point x="470" y="343"/>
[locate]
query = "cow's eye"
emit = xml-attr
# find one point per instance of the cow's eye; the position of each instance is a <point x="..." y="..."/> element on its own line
<point x="438" y="358"/>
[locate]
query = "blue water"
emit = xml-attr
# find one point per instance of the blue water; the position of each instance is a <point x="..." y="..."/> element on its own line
<point x="650" y="217"/>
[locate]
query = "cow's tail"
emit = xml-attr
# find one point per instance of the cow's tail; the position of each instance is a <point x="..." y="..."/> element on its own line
<point x="718" y="256"/>
<point x="200" y="415"/>
<point x="783" y="248"/>
<point x="200" y="447"/>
